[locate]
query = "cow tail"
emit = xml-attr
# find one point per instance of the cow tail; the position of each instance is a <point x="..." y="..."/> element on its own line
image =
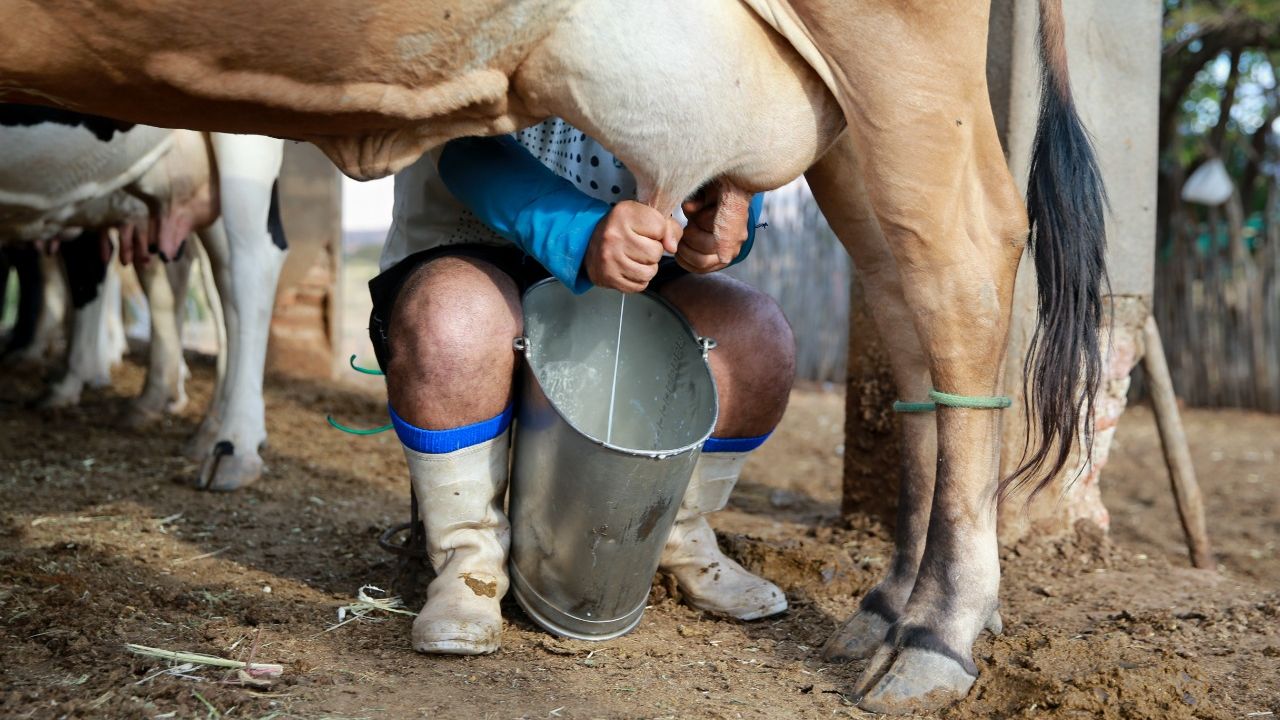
<point x="1066" y="202"/>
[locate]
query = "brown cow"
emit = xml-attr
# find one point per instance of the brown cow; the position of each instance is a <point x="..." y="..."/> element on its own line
<point x="917" y="189"/>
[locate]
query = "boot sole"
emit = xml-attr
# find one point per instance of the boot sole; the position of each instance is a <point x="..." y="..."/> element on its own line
<point x="453" y="647"/>
<point x="746" y="614"/>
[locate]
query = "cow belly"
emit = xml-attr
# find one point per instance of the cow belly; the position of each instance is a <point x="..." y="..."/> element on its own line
<point x="683" y="92"/>
<point x="374" y="84"/>
<point x="54" y="176"/>
<point x="49" y="164"/>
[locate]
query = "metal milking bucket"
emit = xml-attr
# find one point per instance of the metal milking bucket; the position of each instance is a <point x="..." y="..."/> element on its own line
<point x="594" y="494"/>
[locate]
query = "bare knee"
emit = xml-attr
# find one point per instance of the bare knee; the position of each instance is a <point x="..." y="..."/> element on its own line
<point x="450" y="359"/>
<point x="754" y="359"/>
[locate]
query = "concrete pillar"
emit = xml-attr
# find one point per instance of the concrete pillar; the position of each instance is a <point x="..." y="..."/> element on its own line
<point x="1114" y="51"/>
<point x="304" y="328"/>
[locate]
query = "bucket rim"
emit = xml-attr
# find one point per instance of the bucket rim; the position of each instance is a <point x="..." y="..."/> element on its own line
<point x="524" y="347"/>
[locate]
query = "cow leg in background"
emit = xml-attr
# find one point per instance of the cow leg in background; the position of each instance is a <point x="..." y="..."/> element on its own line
<point x="24" y="259"/>
<point x="54" y="324"/>
<point x="113" y="338"/>
<point x="246" y="253"/>
<point x="92" y="348"/>
<point x="5" y="266"/>
<point x="165" y="285"/>
<point x="201" y="442"/>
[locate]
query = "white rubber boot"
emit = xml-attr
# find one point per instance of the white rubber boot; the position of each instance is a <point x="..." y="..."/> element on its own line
<point x="460" y="496"/>
<point x="708" y="578"/>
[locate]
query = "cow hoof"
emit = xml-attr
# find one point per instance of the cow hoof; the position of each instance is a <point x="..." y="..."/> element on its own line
<point x="224" y="470"/>
<point x="918" y="681"/>
<point x="144" y="411"/>
<point x="55" y="399"/>
<point x="140" y="416"/>
<point x="200" y="446"/>
<point x="995" y="623"/>
<point x="857" y="639"/>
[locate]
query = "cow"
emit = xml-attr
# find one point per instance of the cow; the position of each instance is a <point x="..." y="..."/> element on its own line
<point x="77" y="179"/>
<point x="883" y="102"/>
<point x="41" y="306"/>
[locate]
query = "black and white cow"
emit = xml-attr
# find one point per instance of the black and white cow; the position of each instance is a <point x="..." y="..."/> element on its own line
<point x="74" y="180"/>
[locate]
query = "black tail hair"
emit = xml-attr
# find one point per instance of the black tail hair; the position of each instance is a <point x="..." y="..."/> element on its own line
<point x="1067" y="202"/>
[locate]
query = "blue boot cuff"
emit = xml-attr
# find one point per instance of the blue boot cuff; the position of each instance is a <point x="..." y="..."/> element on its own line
<point x="734" y="445"/>
<point x="436" y="442"/>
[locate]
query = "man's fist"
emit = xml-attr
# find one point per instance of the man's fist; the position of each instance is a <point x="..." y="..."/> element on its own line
<point x="627" y="245"/>
<point x="717" y="227"/>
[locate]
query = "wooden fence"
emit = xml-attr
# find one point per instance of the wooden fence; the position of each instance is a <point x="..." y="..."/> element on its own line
<point x="1217" y="299"/>
<point x="1217" y="295"/>
<point x="798" y="261"/>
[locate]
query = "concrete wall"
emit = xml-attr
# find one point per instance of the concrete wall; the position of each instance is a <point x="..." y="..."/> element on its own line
<point x="1114" y="52"/>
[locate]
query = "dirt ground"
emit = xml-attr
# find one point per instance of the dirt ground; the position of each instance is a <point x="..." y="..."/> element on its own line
<point x="100" y="546"/>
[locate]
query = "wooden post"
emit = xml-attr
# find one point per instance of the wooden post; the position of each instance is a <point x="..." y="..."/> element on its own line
<point x="304" y="328"/>
<point x="1182" y="474"/>
<point x="872" y="445"/>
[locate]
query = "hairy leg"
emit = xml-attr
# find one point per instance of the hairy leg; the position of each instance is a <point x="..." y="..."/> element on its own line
<point x="754" y="359"/>
<point x="450" y="360"/>
<point x="753" y="364"/>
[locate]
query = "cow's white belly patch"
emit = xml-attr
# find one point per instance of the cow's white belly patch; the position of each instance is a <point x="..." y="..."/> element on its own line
<point x="53" y="176"/>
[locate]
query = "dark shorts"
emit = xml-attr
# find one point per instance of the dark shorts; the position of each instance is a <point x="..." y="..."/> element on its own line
<point x="385" y="288"/>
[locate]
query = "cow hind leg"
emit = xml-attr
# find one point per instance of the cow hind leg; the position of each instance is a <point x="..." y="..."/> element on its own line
<point x="51" y="314"/>
<point x="957" y="274"/>
<point x="837" y="186"/>
<point x="246" y="262"/>
<point x="956" y="228"/>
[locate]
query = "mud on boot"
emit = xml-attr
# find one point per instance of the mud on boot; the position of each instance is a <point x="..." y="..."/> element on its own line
<point x="709" y="579"/>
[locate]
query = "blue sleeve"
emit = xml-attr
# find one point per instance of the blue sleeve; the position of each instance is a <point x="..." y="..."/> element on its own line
<point x="753" y="219"/>
<point x="523" y="201"/>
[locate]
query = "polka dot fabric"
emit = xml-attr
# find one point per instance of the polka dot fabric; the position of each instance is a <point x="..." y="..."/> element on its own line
<point x="569" y="153"/>
<point x="426" y="215"/>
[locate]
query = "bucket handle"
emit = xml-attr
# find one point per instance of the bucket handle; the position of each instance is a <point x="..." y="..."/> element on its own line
<point x="707" y="344"/>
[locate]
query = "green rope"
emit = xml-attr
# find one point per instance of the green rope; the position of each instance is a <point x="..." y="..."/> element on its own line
<point x="971" y="402"/>
<point x="366" y="371"/>
<point x="356" y="431"/>
<point x="914" y="407"/>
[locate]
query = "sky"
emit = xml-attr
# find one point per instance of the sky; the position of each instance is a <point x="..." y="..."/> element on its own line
<point x="366" y="205"/>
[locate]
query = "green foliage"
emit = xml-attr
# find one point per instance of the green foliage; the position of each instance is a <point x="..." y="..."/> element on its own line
<point x="1202" y="38"/>
<point x="1181" y="16"/>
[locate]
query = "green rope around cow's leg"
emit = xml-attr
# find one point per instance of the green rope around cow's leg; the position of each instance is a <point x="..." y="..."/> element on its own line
<point x="356" y="431"/>
<point x="914" y="407"/>
<point x="366" y="371"/>
<point x="971" y="402"/>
